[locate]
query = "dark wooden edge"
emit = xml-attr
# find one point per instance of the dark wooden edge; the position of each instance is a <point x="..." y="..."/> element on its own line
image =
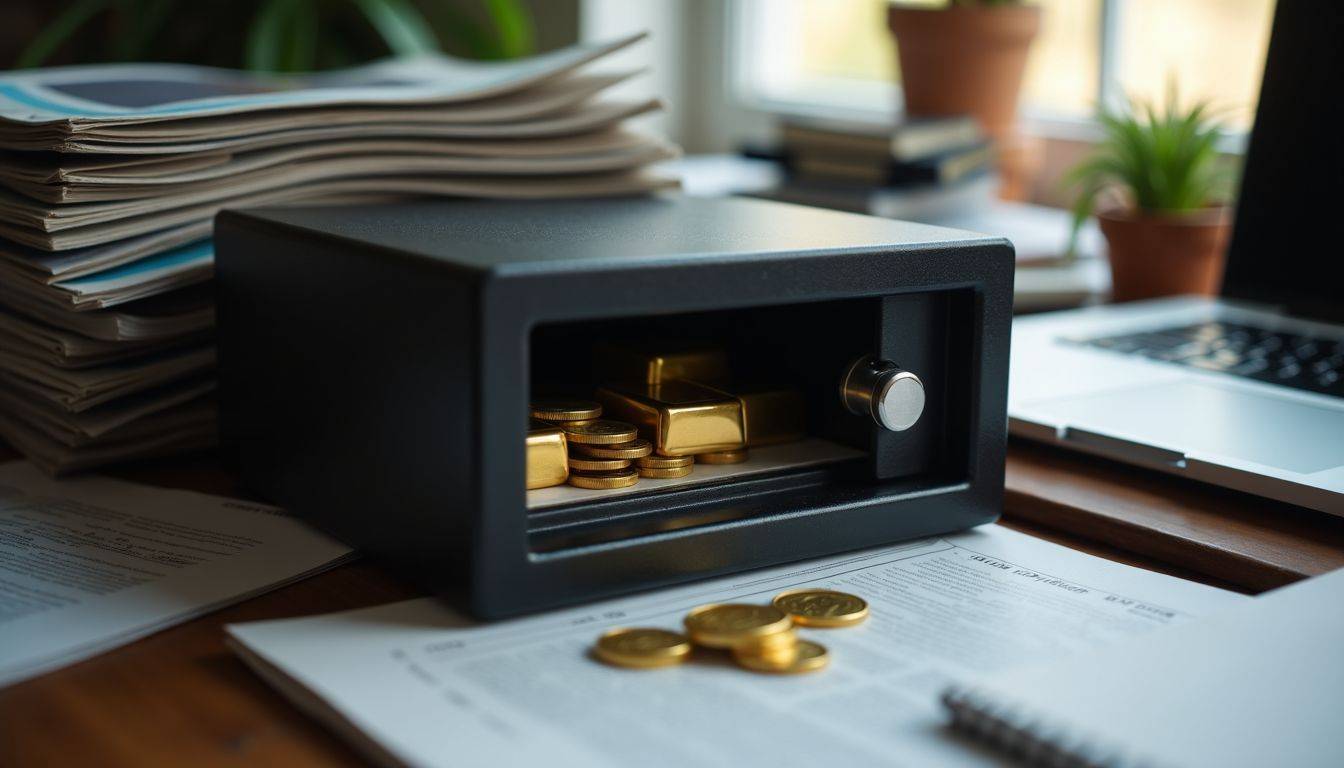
<point x="1252" y="543"/>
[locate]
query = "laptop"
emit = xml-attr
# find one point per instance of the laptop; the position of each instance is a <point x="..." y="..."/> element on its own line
<point x="1245" y="390"/>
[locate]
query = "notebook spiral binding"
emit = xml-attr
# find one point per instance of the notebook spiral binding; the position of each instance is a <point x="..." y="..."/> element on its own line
<point x="1026" y="738"/>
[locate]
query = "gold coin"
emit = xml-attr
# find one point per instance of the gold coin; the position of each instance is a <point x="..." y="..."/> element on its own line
<point x="775" y="660"/>
<point x="565" y="409"/>
<point x="779" y="649"/>
<point x="725" y="625"/>
<point x="642" y="648"/>
<point x="665" y="462"/>
<point x="633" y="449"/>
<point x="605" y="479"/>
<point x="600" y="432"/>
<point x="735" y="456"/>
<point x="822" y="607"/>
<point x="658" y="472"/>
<point x="596" y="465"/>
<point x="809" y="657"/>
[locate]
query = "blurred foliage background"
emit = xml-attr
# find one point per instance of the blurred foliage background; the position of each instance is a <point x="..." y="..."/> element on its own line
<point x="278" y="35"/>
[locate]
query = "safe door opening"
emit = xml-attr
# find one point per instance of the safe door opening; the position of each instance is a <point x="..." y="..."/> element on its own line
<point x="641" y="425"/>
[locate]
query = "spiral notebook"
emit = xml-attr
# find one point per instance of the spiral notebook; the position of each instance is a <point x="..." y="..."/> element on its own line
<point x="1261" y="684"/>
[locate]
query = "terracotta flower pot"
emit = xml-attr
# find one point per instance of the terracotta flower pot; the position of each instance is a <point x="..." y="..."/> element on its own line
<point x="964" y="60"/>
<point x="1165" y="254"/>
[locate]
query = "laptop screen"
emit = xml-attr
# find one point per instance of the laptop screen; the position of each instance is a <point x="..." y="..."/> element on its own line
<point x="1287" y="246"/>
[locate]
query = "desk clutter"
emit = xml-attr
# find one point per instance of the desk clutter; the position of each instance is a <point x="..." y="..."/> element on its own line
<point x="111" y="177"/>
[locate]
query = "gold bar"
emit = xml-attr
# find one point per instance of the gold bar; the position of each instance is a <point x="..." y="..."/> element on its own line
<point x="547" y="455"/>
<point x="660" y="363"/>
<point x="773" y="415"/>
<point x="680" y="418"/>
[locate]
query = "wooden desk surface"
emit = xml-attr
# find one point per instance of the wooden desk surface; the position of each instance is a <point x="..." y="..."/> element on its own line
<point x="179" y="697"/>
<point x="1250" y="543"/>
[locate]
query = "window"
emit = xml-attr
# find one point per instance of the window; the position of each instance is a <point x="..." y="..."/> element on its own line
<point x="836" y="57"/>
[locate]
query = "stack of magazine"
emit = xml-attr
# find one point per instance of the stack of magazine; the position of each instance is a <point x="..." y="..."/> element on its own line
<point x="111" y="175"/>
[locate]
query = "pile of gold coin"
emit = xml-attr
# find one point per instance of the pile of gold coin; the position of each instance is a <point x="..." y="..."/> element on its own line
<point x="663" y="406"/>
<point x="760" y="638"/>
<point x="604" y="453"/>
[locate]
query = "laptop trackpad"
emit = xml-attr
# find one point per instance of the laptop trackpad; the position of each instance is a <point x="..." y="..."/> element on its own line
<point x="1197" y="417"/>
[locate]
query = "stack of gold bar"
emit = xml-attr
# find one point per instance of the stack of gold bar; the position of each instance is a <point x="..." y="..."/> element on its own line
<point x="761" y="638"/>
<point x="680" y="418"/>
<point x="674" y="395"/>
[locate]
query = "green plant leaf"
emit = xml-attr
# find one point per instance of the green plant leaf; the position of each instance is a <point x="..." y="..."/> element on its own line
<point x="265" y="36"/>
<point x="400" y="25"/>
<point x="513" y="23"/>
<point x="1165" y="159"/>
<point x="58" y="32"/>
<point x="457" y="26"/>
<point x="301" y="52"/>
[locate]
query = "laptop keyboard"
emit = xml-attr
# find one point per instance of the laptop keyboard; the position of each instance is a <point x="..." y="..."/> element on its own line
<point x="1293" y="360"/>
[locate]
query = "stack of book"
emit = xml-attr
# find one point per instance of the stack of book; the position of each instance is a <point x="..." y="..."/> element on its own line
<point x="940" y="171"/>
<point x="111" y="175"/>
<point x="940" y="150"/>
<point x="924" y="164"/>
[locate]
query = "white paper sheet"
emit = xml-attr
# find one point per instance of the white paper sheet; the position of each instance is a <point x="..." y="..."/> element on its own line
<point x="1259" y="685"/>
<point x="416" y="683"/>
<point x="92" y="563"/>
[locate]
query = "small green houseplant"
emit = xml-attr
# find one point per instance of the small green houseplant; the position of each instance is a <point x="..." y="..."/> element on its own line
<point x="1166" y="222"/>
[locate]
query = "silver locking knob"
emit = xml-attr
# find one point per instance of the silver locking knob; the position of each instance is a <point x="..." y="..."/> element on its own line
<point x="880" y="389"/>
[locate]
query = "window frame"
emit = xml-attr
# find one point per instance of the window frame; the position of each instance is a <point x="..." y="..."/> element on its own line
<point x="741" y="21"/>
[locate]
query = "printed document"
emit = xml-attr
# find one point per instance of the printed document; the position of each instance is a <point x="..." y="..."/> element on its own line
<point x="92" y="563"/>
<point x="417" y="683"/>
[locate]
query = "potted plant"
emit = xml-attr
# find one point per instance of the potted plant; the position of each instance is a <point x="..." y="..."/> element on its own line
<point x="1166" y="217"/>
<point x="965" y="58"/>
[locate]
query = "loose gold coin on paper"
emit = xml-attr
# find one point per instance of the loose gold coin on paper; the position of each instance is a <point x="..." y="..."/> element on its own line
<point x="600" y="432"/>
<point x="809" y="657"/>
<point x="735" y="456"/>
<point x="665" y="462"/>
<point x="778" y="650"/>
<point x="596" y="465"/>
<point x="725" y="625"/>
<point x="565" y="409"/>
<point x="604" y="480"/>
<point x="633" y="449"/>
<point x="664" y="474"/>
<point x="822" y="607"/>
<point x="642" y="648"/>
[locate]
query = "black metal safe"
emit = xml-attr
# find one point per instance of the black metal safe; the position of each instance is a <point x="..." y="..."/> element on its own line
<point x="376" y="366"/>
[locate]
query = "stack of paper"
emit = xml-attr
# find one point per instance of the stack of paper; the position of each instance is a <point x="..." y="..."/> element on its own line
<point x="110" y="177"/>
